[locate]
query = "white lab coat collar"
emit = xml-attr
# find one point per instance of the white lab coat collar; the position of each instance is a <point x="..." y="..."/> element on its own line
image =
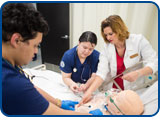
<point x="112" y="50"/>
<point x="129" y="45"/>
<point x="113" y="63"/>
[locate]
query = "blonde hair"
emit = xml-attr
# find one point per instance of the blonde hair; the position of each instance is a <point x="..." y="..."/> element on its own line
<point x="117" y="25"/>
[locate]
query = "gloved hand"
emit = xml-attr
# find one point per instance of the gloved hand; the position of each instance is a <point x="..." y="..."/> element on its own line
<point x="96" y="112"/>
<point x="68" y="104"/>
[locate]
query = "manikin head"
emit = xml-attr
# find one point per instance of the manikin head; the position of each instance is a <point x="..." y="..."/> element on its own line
<point x="127" y="101"/>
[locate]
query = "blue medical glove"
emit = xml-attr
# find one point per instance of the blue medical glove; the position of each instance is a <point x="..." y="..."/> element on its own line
<point x="68" y="104"/>
<point x="96" y="112"/>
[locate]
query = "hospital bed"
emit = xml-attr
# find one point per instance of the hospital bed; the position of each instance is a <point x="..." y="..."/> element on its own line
<point x="52" y="83"/>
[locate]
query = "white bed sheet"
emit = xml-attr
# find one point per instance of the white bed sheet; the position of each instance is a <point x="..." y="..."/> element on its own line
<point x="52" y="83"/>
<point x="149" y="97"/>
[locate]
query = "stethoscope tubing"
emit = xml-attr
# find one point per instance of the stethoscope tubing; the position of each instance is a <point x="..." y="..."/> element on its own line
<point x="88" y="63"/>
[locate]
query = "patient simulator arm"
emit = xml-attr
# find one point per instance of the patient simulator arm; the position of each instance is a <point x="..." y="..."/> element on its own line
<point x="69" y="82"/>
<point x="87" y="96"/>
<point x="134" y="75"/>
<point x="54" y="110"/>
<point x="47" y="96"/>
<point x="84" y="87"/>
<point x="64" y="104"/>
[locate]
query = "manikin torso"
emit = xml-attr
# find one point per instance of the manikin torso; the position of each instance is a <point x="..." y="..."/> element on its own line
<point x="128" y="102"/>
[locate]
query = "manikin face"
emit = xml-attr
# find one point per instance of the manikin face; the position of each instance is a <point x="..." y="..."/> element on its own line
<point x="28" y="49"/>
<point x="125" y="103"/>
<point x="110" y="35"/>
<point x="114" y="104"/>
<point x="85" y="49"/>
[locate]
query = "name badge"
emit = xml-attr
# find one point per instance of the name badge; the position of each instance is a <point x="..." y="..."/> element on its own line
<point x="134" y="55"/>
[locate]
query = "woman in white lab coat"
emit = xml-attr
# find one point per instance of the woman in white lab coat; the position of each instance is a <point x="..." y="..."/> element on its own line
<point x="122" y="50"/>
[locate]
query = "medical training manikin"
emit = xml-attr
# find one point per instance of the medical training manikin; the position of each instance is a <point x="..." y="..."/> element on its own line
<point x="113" y="102"/>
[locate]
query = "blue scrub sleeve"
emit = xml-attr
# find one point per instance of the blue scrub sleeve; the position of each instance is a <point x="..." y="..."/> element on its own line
<point x="66" y="63"/>
<point x="23" y="99"/>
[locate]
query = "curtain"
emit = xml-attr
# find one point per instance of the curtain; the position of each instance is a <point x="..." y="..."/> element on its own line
<point x="140" y="18"/>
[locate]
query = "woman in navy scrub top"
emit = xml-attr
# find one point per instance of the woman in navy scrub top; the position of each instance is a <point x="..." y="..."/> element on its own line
<point x="79" y="64"/>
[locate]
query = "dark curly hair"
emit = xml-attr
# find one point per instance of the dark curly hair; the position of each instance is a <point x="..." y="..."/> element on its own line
<point x="24" y="19"/>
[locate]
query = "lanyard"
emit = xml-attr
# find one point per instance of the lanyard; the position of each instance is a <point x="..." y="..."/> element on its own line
<point x="85" y="64"/>
<point x="20" y="70"/>
<point x="23" y="72"/>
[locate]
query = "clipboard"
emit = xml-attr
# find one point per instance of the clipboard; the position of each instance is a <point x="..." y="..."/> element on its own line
<point x="123" y="73"/>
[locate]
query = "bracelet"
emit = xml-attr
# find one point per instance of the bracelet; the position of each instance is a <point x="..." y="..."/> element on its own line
<point x="58" y="102"/>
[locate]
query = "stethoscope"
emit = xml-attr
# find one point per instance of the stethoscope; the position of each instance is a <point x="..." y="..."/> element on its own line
<point x="85" y="64"/>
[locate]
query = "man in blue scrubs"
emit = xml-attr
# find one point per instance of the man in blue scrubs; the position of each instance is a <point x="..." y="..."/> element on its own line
<point x="79" y="64"/>
<point x="22" y="30"/>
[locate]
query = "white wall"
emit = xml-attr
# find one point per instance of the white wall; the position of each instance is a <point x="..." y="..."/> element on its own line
<point x="141" y="18"/>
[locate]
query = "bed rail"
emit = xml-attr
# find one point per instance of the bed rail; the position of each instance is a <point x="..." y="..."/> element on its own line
<point x="40" y="67"/>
